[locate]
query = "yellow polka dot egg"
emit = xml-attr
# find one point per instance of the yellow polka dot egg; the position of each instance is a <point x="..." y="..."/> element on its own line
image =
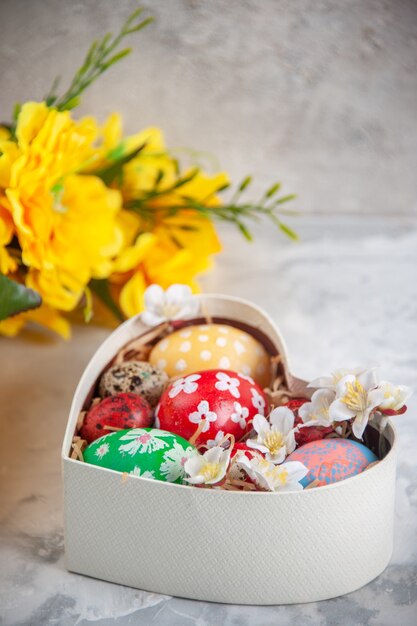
<point x="212" y="346"/>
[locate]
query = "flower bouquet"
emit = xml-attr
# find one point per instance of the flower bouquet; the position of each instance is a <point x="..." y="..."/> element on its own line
<point x="89" y="215"/>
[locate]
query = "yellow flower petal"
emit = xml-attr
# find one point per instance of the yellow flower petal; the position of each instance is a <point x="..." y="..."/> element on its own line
<point x="131" y="296"/>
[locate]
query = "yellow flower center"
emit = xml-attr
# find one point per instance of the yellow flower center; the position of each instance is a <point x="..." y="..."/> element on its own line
<point x="355" y="397"/>
<point x="210" y="471"/>
<point x="274" y="440"/>
<point x="277" y="473"/>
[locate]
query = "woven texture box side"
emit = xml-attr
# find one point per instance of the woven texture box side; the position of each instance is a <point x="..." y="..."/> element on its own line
<point x="225" y="546"/>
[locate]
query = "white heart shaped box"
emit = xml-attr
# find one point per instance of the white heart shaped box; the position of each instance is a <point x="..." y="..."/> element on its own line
<point x="224" y="546"/>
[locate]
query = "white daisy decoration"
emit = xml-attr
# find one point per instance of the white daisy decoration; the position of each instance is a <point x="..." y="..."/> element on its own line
<point x="270" y="477"/>
<point x="211" y="443"/>
<point x="240" y="414"/>
<point x="203" y="413"/>
<point x="209" y="468"/>
<point x="173" y="466"/>
<point x="275" y="438"/>
<point x="357" y="397"/>
<point x="136" y="471"/>
<point x="228" y="383"/>
<point x="176" y="303"/>
<point x="141" y="441"/>
<point x="258" y="401"/>
<point x="184" y="385"/>
<point x="102" y="450"/>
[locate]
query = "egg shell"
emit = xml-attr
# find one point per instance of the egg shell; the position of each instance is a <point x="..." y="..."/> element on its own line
<point x="332" y="460"/>
<point x="310" y="433"/>
<point x="124" y="410"/>
<point x="144" y="452"/>
<point x="226" y="400"/>
<point x="138" y="377"/>
<point x="241" y="449"/>
<point x="211" y="346"/>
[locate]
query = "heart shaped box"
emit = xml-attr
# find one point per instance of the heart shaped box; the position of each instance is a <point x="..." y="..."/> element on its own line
<point x="225" y="546"/>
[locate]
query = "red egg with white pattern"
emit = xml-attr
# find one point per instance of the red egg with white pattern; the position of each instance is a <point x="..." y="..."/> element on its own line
<point x="211" y="400"/>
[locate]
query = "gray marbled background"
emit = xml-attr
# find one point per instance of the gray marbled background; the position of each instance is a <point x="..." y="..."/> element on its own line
<point x="321" y="95"/>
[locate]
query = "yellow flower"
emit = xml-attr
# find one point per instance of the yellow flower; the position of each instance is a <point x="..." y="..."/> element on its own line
<point x="44" y="316"/>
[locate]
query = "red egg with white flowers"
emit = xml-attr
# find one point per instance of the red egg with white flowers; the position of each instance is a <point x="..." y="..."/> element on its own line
<point x="212" y="400"/>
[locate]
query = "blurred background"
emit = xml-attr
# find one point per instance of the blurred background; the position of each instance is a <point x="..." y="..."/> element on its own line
<point x="320" y="94"/>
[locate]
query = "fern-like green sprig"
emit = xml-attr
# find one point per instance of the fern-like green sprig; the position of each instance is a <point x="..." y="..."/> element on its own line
<point x="103" y="53"/>
<point x="235" y="211"/>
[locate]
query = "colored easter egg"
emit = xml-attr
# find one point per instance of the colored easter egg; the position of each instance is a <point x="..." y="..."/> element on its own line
<point x="221" y="400"/>
<point x="124" y="410"/>
<point x="144" y="452"/>
<point x="212" y="346"/>
<point x="332" y="460"/>
<point x="138" y="377"/>
<point x="310" y="433"/>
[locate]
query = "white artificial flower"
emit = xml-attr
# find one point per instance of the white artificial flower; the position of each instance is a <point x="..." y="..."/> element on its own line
<point x="187" y="385"/>
<point x="203" y="413"/>
<point x="271" y="477"/>
<point x="208" y="468"/>
<point x="227" y="383"/>
<point x="211" y="443"/>
<point x="330" y="382"/>
<point x="258" y="401"/>
<point x="395" y="396"/>
<point x="356" y="398"/>
<point x="275" y="438"/>
<point x="176" y="303"/>
<point x="173" y="466"/>
<point x="240" y="415"/>
<point x="316" y="412"/>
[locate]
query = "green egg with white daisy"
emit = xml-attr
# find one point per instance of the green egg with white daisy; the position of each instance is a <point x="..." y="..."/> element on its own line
<point x="144" y="452"/>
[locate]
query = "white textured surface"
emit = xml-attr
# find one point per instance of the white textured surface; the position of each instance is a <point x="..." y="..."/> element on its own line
<point x="356" y="303"/>
<point x="321" y="95"/>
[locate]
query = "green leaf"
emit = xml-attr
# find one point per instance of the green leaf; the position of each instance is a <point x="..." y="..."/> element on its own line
<point x="102" y="291"/>
<point x="286" y="198"/>
<point x="245" y="183"/>
<point x="288" y="231"/>
<point x="273" y="190"/>
<point x="16" y="111"/>
<point x="117" y="57"/>
<point x="16" y="298"/>
<point x="245" y="232"/>
<point x="115" y="170"/>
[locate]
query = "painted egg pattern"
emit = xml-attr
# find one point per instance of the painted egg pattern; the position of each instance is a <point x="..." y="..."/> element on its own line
<point x="332" y="460"/>
<point x="212" y="346"/>
<point x="134" y="377"/>
<point x="124" y="410"/>
<point x="144" y="452"/>
<point x="225" y="401"/>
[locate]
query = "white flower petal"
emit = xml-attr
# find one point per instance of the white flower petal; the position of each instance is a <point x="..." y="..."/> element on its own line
<point x="282" y="418"/>
<point x="339" y="412"/>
